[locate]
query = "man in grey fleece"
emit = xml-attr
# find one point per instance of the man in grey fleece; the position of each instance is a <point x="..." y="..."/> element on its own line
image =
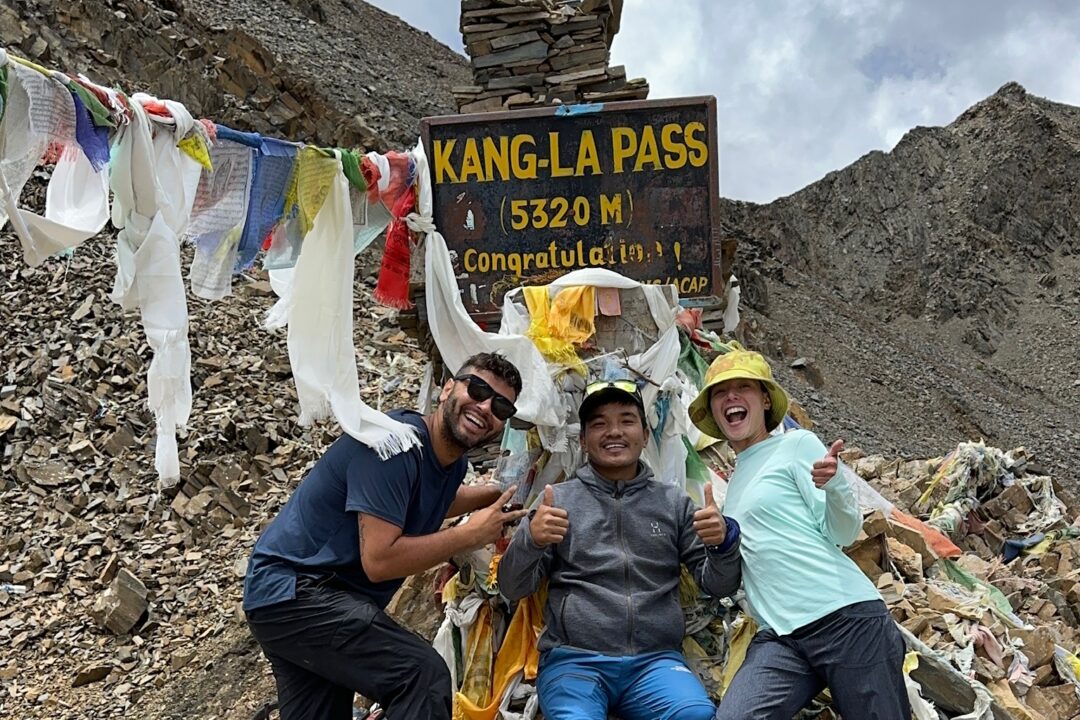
<point x="610" y="540"/>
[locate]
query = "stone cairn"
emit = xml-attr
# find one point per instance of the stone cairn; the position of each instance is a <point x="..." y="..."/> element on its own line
<point x="542" y="52"/>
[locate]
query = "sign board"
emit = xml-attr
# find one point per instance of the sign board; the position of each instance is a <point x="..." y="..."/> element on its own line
<point x="523" y="197"/>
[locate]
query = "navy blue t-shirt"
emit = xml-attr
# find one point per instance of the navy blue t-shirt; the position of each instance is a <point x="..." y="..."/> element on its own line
<point x="316" y="532"/>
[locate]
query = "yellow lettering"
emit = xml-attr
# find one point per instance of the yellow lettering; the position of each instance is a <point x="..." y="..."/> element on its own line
<point x="576" y="256"/>
<point x="443" y="167"/>
<point x="497" y="158"/>
<point x="470" y="162"/>
<point x="519" y="214"/>
<point x="623" y="146"/>
<point x="587" y="156"/>
<point x="557" y="170"/>
<point x="699" y="151"/>
<point x="539" y="215"/>
<point x="648" y="152"/>
<point x="611" y="209"/>
<point x="582" y="209"/>
<point x="559" y="206"/>
<point x="675" y="151"/>
<point x="524" y="163"/>
<point x="689" y="286"/>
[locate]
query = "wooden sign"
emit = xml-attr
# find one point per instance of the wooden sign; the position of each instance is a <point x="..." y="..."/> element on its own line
<point x="526" y="196"/>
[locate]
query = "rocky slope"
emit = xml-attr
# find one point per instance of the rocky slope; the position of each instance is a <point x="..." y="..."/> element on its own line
<point x="85" y="516"/>
<point x="366" y="62"/>
<point x="950" y="224"/>
<point x="331" y="72"/>
<point x="935" y="287"/>
<point x="88" y="532"/>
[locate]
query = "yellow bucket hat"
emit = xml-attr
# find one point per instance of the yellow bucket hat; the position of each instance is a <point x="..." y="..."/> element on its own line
<point x="737" y="364"/>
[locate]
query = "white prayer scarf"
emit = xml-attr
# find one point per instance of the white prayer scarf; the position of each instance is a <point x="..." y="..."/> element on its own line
<point x="455" y="333"/>
<point x="320" y="316"/>
<point x="154" y="184"/>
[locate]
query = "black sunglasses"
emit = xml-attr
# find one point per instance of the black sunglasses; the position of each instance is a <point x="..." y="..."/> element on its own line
<point x="479" y="390"/>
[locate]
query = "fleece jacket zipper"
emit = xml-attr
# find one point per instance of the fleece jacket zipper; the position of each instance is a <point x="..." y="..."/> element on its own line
<point x="626" y="572"/>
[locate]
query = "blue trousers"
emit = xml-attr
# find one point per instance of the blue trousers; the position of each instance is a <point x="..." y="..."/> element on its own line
<point x="856" y="651"/>
<point x="579" y="685"/>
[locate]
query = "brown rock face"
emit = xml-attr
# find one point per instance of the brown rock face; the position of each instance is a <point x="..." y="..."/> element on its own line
<point x="315" y="72"/>
<point x="935" y="286"/>
<point x="121" y="606"/>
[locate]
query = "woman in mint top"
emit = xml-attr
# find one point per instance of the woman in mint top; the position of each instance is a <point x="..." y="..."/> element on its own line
<point x="821" y="622"/>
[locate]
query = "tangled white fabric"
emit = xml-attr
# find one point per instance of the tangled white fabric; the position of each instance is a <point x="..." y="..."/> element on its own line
<point x="667" y="455"/>
<point x="153" y="186"/>
<point x="455" y="333"/>
<point x="321" y="332"/>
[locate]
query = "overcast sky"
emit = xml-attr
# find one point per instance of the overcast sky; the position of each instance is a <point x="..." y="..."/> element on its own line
<point x="804" y="88"/>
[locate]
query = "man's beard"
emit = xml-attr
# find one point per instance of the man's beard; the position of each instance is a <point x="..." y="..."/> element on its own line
<point x="450" y="426"/>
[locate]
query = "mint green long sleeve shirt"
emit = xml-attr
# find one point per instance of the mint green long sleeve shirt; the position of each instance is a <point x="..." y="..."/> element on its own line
<point x="794" y="571"/>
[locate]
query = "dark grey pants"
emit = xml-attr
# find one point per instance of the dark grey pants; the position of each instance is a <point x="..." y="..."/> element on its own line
<point x="856" y="652"/>
<point x="330" y="643"/>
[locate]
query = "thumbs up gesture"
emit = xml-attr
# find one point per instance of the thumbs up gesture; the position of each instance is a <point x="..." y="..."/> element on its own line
<point x="708" y="522"/>
<point x="549" y="523"/>
<point x="825" y="468"/>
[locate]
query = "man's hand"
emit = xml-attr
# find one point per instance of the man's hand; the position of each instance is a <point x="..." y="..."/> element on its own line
<point x="486" y="525"/>
<point x="708" y="522"/>
<point x="549" y="524"/>
<point x="825" y="468"/>
<point x="470" y="498"/>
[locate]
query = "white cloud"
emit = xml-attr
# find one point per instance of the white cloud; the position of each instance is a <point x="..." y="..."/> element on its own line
<point x="806" y="88"/>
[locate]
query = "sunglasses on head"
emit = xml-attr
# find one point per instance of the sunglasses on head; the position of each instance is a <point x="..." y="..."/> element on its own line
<point x="479" y="390"/>
<point x="627" y="386"/>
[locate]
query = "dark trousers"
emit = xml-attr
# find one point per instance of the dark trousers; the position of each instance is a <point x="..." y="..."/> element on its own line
<point x="330" y="643"/>
<point x="856" y="651"/>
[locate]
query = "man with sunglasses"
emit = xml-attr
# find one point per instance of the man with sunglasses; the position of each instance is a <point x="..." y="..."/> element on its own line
<point x="355" y="528"/>
<point x="610" y="541"/>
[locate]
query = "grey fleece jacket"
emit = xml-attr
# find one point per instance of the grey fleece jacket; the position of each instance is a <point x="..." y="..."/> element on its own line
<point x="614" y="579"/>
